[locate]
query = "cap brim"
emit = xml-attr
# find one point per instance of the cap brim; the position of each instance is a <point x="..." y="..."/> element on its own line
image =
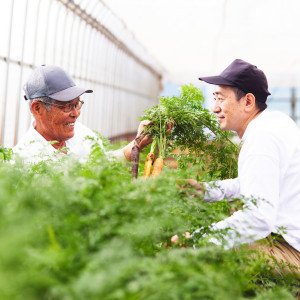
<point x="218" y="80"/>
<point x="69" y="93"/>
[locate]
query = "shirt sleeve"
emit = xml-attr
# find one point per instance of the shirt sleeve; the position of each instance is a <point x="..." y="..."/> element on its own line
<point x="259" y="176"/>
<point x="116" y="154"/>
<point x="218" y="190"/>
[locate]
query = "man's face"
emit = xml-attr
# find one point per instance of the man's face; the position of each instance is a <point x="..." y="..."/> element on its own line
<point x="55" y="124"/>
<point x="229" y="111"/>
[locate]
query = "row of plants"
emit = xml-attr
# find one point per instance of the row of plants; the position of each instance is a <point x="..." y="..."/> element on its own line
<point x="88" y="230"/>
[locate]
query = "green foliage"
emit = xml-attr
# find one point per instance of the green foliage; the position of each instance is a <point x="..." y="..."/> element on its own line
<point x="73" y="230"/>
<point x="195" y="133"/>
<point x="5" y="154"/>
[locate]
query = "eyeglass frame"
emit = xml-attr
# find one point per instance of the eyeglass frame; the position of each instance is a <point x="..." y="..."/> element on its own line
<point x="70" y="105"/>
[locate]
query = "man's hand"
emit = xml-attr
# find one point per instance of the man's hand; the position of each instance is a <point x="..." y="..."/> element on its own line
<point x="185" y="183"/>
<point x="142" y="144"/>
<point x="146" y="140"/>
<point x="170" y="125"/>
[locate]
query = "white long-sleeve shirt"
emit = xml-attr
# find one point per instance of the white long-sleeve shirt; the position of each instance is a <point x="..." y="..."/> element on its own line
<point x="33" y="147"/>
<point x="268" y="169"/>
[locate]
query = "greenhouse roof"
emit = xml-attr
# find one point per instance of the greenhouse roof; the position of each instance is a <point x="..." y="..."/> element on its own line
<point x="194" y="38"/>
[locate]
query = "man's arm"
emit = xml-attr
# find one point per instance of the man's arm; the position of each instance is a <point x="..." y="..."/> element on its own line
<point x="259" y="183"/>
<point x="216" y="190"/>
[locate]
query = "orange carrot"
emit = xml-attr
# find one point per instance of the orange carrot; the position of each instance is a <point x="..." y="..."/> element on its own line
<point x="157" y="166"/>
<point x="148" y="164"/>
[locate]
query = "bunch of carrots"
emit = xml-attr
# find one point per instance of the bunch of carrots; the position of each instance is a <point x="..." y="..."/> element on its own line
<point x="151" y="164"/>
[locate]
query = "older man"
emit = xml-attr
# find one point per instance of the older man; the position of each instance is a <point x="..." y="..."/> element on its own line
<point x="55" y="103"/>
<point x="268" y="166"/>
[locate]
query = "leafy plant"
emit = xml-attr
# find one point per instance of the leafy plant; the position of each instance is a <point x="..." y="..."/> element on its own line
<point x="5" y="154"/>
<point x="195" y="132"/>
<point x="72" y="230"/>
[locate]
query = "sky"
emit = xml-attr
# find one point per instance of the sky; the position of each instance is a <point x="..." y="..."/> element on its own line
<point x="193" y="38"/>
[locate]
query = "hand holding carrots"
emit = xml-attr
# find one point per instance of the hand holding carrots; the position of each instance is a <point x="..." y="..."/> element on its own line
<point x="146" y="139"/>
<point x="131" y="151"/>
<point x="142" y="140"/>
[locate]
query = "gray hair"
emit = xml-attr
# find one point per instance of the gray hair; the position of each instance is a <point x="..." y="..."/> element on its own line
<point x="45" y="100"/>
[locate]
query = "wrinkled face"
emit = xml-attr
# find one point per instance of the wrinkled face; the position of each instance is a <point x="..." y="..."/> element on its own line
<point x="229" y="110"/>
<point x="55" y="124"/>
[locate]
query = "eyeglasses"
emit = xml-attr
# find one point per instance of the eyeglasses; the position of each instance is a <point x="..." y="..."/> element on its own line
<point x="69" y="107"/>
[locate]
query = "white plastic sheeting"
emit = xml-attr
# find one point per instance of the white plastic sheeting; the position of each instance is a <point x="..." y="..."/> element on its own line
<point x="93" y="45"/>
<point x="195" y="38"/>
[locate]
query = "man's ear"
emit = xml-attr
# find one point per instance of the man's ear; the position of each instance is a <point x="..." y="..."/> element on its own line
<point x="249" y="102"/>
<point x="36" y="108"/>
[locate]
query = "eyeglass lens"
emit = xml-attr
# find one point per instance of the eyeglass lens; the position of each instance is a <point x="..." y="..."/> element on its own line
<point x="70" y="106"/>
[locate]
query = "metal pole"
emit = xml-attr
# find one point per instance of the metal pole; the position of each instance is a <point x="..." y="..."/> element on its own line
<point x="35" y="33"/>
<point x="93" y="64"/>
<point x="21" y="77"/>
<point x="100" y="98"/>
<point x="2" y="131"/>
<point x="90" y="43"/>
<point x="64" y="44"/>
<point x="47" y="31"/>
<point x="293" y="104"/>
<point x="35" y="45"/>
<point x="54" y="59"/>
<point x="75" y="44"/>
<point x="71" y="43"/>
<point x="83" y="49"/>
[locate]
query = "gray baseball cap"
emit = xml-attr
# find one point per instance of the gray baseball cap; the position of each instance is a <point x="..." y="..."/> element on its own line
<point x="53" y="82"/>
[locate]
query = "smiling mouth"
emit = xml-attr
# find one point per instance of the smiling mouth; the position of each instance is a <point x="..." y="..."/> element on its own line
<point x="70" y="124"/>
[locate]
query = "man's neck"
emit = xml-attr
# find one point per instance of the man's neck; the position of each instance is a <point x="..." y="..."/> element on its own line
<point x="57" y="145"/>
<point x="251" y="117"/>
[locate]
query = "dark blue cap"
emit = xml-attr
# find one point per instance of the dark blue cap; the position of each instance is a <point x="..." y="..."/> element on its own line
<point x="244" y="76"/>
